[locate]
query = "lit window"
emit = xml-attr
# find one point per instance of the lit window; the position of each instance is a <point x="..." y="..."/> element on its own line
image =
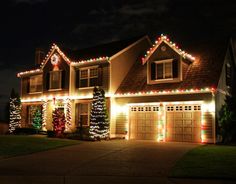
<point x="164" y="70"/>
<point x="84" y="110"/>
<point x="35" y="84"/>
<point x="89" y="77"/>
<point x="55" y="80"/>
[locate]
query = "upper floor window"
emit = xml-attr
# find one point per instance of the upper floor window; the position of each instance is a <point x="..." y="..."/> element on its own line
<point x="35" y="83"/>
<point x="55" y="79"/>
<point x="228" y="74"/>
<point x="88" y="77"/>
<point x="163" y="70"/>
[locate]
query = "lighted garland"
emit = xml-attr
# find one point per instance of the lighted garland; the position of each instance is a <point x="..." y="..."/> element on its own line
<point x="68" y="114"/>
<point x="44" y="113"/>
<point x="165" y="39"/>
<point x="161" y="124"/>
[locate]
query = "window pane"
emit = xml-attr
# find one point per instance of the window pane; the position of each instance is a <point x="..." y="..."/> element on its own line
<point x="36" y="83"/>
<point x="84" y="120"/>
<point x="93" y="82"/>
<point x="84" y="114"/>
<point x="84" y="74"/>
<point x="159" y="69"/>
<point x="83" y="83"/>
<point x="93" y="72"/>
<point x="55" y="80"/>
<point x="168" y="70"/>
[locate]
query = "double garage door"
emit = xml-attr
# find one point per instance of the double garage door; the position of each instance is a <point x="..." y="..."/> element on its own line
<point x="181" y="122"/>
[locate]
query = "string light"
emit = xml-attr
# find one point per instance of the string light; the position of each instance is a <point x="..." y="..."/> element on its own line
<point x="166" y="40"/>
<point x="68" y="115"/>
<point x="90" y="60"/>
<point x="44" y="112"/>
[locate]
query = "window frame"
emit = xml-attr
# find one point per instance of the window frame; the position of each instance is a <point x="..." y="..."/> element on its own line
<point x="163" y="62"/>
<point x="50" y="80"/>
<point x="88" y="69"/>
<point x="88" y="113"/>
<point x="30" y="84"/>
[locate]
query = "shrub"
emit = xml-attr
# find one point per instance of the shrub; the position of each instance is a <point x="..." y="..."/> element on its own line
<point x="25" y="131"/>
<point x="51" y="133"/>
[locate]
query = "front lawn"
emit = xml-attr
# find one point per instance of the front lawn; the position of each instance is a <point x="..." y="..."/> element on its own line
<point x="14" y="145"/>
<point x="209" y="161"/>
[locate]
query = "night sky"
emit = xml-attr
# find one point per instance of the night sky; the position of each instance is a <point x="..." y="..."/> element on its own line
<point x="28" y="24"/>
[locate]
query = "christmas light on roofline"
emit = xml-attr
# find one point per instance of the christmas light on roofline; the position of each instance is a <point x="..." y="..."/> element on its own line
<point x="166" y="40"/>
<point x="105" y="58"/>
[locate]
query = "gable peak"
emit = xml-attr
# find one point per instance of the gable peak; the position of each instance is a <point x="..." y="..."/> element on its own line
<point x="174" y="46"/>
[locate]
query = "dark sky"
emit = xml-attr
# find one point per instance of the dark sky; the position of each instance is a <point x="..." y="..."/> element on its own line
<point x="27" y="24"/>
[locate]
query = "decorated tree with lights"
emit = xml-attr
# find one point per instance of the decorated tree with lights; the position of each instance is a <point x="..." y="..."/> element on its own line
<point x="99" y="123"/>
<point x="37" y="119"/>
<point x="58" y="122"/>
<point x="15" y="111"/>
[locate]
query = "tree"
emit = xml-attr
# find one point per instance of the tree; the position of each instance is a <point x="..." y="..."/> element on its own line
<point x="227" y="120"/>
<point x="99" y="123"/>
<point x="37" y="119"/>
<point x="15" y="111"/>
<point x="58" y="122"/>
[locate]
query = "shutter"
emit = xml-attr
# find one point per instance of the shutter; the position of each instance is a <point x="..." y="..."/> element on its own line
<point x="63" y="79"/>
<point x="175" y="68"/>
<point x="28" y="85"/>
<point x="100" y="76"/>
<point x="77" y="77"/>
<point x="47" y="80"/>
<point x="153" y="71"/>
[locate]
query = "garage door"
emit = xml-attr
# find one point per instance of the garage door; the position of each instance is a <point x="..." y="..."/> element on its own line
<point x="143" y="122"/>
<point x="183" y="123"/>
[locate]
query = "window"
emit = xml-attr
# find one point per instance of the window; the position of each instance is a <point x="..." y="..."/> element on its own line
<point x="228" y="74"/>
<point x="164" y="70"/>
<point x="84" y="109"/>
<point x="31" y="112"/>
<point x="88" y="77"/>
<point x="55" y="80"/>
<point x="35" y="84"/>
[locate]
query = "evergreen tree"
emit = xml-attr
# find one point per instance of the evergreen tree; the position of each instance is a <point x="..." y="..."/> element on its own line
<point x="37" y="119"/>
<point x="227" y="120"/>
<point x="15" y="111"/>
<point x="58" y="122"/>
<point x="99" y="123"/>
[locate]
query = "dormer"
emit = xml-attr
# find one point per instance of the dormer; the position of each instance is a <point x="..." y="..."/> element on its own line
<point x="166" y="63"/>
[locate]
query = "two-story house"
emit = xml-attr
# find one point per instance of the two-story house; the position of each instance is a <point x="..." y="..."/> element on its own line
<point x="165" y="95"/>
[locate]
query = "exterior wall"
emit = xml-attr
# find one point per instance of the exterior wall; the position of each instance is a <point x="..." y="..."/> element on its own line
<point x="121" y="111"/>
<point x="124" y="60"/>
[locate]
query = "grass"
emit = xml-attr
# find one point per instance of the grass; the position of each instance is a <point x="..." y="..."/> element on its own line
<point x="14" y="145"/>
<point x="209" y="161"/>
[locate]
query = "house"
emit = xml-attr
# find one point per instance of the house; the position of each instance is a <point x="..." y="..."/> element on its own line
<point x="166" y="94"/>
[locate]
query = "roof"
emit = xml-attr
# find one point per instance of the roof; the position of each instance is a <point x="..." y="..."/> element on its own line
<point x="99" y="52"/>
<point x="102" y="50"/>
<point x="204" y="71"/>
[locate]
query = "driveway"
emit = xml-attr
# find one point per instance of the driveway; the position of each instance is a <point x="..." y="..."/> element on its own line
<point x="116" y="161"/>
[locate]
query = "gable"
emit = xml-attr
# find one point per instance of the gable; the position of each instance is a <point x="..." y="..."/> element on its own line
<point x="163" y="39"/>
<point x="163" y="52"/>
<point x="55" y="50"/>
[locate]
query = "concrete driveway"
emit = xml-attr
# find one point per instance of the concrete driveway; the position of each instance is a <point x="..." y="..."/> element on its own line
<point x="116" y="161"/>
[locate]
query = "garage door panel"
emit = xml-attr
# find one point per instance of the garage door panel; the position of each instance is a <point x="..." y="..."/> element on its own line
<point x="183" y="124"/>
<point x="178" y="115"/>
<point x="188" y="123"/>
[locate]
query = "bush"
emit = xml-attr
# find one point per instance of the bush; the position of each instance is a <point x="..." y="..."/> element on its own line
<point x="25" y="131"/>
<point x="51" y="133"/>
